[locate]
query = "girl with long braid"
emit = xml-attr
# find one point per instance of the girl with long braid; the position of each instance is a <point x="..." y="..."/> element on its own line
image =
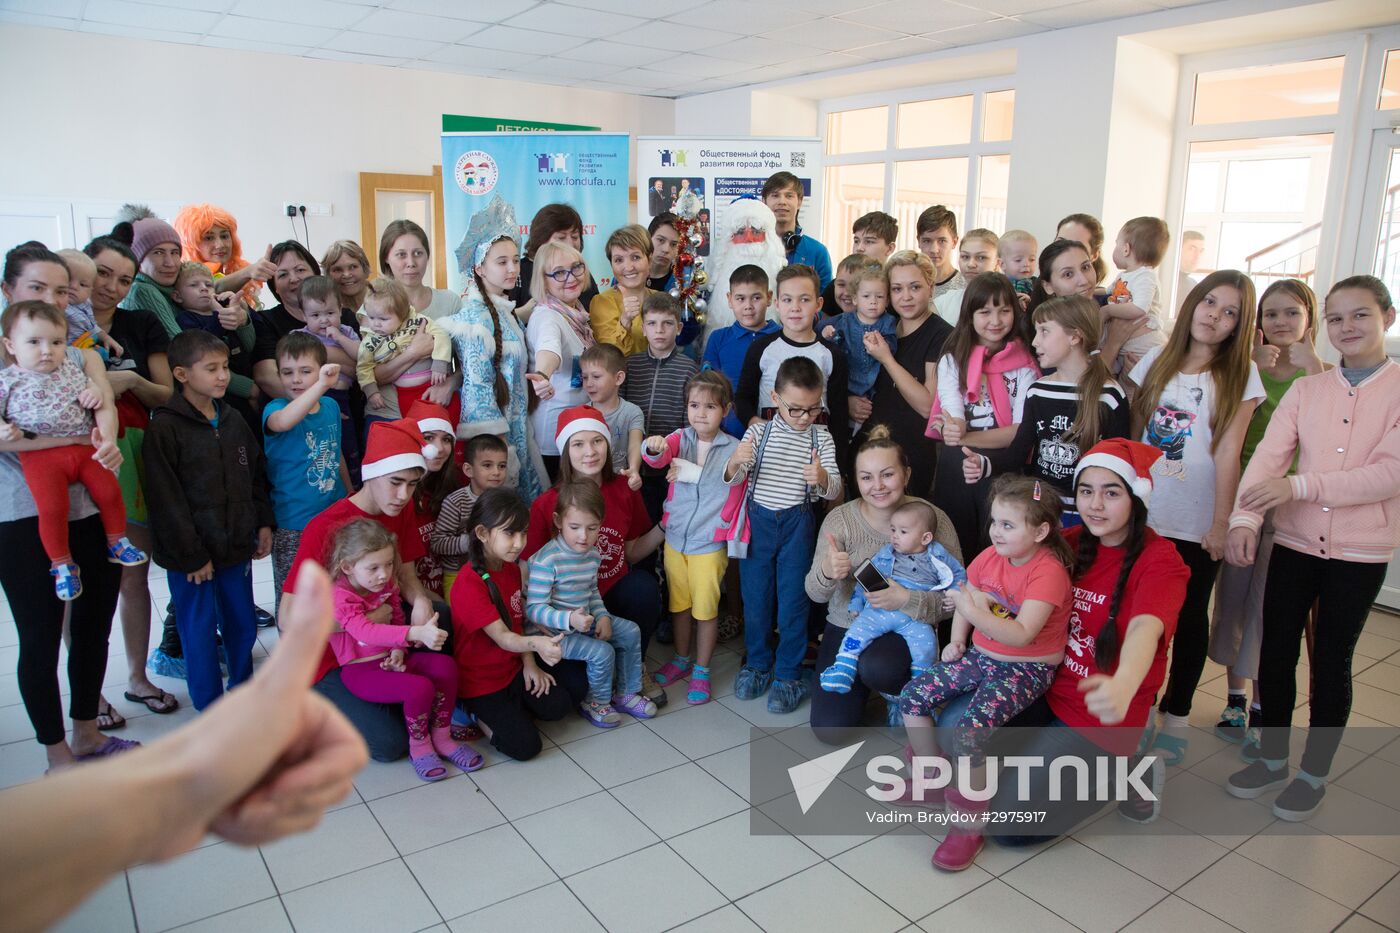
<point x="499" y="680"/>
<point x="490" y="346"/>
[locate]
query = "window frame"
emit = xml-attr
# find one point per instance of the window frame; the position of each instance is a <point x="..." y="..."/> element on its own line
<point x="890" y="154"/>
<point x="1344" y="194"/>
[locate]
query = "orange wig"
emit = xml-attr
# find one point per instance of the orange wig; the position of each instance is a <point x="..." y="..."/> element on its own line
<point x="195" y="220"/>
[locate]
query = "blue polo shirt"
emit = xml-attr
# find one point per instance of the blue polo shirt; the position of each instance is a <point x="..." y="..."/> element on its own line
<point x="725" y="351"/>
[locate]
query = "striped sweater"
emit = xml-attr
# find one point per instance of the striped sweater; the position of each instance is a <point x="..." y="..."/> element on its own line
<point x="1346" y="492"/>
<point x="562" y="580"/>
<point x="781" y="453"/>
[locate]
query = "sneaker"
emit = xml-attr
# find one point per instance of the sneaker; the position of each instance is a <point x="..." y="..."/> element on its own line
<point x="123" y="552"/>
<point x="752" y="683"/>
<point x="600" y="714"/>
<point x="652" y="690"/>
<point x="1298" y="801"/>
<point x="1255" y="781"/>
<point x="730" y="626"/>
<point x="67" y="582"/>
<point x="263" y="618"/>
<point x="1233" y="724"/>
<point x="1138" y="809"/>
<point x="787" y="695"/>
<point x="634" y="705"/>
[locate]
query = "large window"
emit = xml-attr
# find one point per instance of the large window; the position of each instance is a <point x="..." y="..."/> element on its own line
<point x="1289" y="164"/>
<point x="908" y="152"/>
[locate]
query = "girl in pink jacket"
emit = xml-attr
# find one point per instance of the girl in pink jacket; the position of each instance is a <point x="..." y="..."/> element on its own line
<point x="1336" y="521"/>
<point x="375" y="648"/>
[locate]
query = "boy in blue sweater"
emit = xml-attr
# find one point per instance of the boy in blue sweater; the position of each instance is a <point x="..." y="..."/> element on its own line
<point x="748" y="298"/>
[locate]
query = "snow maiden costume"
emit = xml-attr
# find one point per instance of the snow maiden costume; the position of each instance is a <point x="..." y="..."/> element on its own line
<point x="473" y="330"/>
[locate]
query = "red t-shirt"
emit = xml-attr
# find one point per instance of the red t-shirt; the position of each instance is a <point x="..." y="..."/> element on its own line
<point x="426" y="565"/>
<point x="1042" y="577"/>
<point x="318" y="534"/>
<point x="1156" y="587"/>
<point x="624" y="519"/>
<point x="482" y="665"/>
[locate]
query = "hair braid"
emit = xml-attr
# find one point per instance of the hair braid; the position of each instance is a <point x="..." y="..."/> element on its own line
<point x="501" y="387"/>
<point x="1107" y="645"/>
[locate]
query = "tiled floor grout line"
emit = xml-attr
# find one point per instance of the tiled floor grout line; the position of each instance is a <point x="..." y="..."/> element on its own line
<point x="395" y="846"/>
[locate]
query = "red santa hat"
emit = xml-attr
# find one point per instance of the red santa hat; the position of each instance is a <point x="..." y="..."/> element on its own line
<point x="430" y="417"/>
<point x="1130" y="461"/>
<point x="392" y="446"/>
<point x="580" y="418"/>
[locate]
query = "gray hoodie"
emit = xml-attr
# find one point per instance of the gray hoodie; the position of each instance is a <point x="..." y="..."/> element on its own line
<point x="698" y="497"/>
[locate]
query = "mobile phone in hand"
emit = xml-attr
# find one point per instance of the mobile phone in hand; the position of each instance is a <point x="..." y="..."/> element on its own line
<point x="870" y="577"/>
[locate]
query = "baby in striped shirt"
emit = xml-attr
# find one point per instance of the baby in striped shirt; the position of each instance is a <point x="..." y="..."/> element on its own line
<point x="562" y="595"/>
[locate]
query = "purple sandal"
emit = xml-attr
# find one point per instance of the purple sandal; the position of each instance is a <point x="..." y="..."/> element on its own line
<point x="429" y="767"/>
<point x="113" y="746"/>
<point x="467" y="758"/>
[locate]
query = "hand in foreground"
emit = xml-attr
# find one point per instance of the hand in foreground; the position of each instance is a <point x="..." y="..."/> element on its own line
<point x="269" y="758"/>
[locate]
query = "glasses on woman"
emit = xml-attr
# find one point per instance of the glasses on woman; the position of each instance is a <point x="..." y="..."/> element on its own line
<point x="575" y="271"/>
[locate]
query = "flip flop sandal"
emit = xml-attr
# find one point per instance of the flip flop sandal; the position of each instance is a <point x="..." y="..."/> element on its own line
<point x="160" y="703"/>
<point x="467" y="758"/>
<point x="114" y="719"/>
<point x="429" y="767"/>
<point x="110" y="747"/>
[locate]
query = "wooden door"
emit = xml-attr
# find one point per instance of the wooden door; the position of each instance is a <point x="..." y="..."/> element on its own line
<point x="386" y="197"/>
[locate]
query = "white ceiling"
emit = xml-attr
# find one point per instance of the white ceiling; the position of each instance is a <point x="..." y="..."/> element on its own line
<point x="632" y="46"/>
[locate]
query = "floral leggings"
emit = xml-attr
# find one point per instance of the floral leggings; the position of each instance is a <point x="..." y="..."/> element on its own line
<point x="1002" y="689"/>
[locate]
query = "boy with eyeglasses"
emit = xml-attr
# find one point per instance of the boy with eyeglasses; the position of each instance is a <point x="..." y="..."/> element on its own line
<point x="789" y="462"/>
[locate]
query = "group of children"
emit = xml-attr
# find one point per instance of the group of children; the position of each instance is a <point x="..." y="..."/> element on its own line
<point x="738" y="455"/>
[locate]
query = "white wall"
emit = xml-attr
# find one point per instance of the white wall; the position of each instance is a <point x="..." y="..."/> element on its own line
<point x="109" y="118"/>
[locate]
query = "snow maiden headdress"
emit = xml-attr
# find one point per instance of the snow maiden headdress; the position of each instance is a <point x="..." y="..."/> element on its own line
<point x="488" y="226"/>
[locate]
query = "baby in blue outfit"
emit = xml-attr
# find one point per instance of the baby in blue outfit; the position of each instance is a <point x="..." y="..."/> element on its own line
<point x="871" y="288"/>
<point x="916" y="562"/>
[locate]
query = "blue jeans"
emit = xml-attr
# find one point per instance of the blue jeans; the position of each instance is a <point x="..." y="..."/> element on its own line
<point x="772" y="578"/>
<point x="223" y="605"/>
<point x="617" y="659"/>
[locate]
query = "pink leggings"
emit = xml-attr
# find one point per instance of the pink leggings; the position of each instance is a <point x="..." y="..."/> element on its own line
<point x="427" y="690"/>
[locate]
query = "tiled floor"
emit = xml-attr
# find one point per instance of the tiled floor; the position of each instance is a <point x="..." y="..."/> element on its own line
<point x="647" y="827"/>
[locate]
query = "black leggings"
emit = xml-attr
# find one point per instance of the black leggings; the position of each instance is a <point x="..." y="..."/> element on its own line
<point x="965" y="504"/>
<point x="1344" y="591"/>
<point x="24" y="575"/>
<point x="1192" y="636"/>
<point x="883" y="668"/>
<point x="637" y="596"/>
<point x="510" y="713"/>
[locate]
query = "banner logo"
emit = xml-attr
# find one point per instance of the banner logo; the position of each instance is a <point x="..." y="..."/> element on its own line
<point x="672" y="158"/>
<point x="550" y="162"/>
<point x="476" y="173"/>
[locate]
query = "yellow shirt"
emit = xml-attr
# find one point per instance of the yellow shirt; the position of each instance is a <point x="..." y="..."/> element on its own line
<point x="605" y="314"/>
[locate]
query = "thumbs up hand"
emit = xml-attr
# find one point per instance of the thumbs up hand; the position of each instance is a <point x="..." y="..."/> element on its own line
<point x="1303" y="353"/>
<point x="428" y="634"/>
<point x="814" y="474"/>
<point x="265" y="268"/>
<point x="837" y="563"/>
<point x="972" y="465"/>
<point x="1265" y="355"/>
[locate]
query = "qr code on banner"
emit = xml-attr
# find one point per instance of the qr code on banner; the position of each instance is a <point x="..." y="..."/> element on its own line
<point x="799" y="160"/>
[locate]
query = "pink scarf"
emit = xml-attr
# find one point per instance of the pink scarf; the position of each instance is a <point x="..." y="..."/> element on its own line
<point x="980" y="366"/>
<point x="575" y="315"/>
